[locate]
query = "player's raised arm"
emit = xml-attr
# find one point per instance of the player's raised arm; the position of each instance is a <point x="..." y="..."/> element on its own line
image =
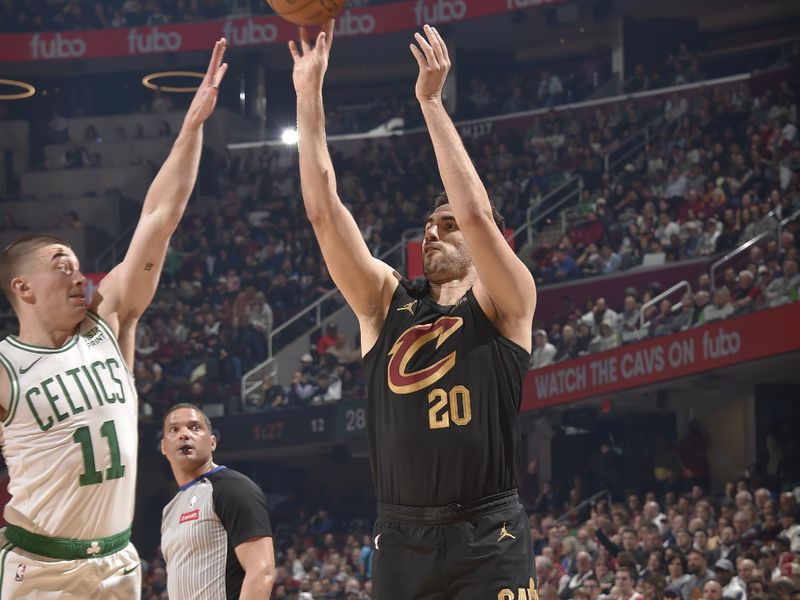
<point x="367" y="283"/>
<point x="127" y="290"/>
<point x="502" y="276"/>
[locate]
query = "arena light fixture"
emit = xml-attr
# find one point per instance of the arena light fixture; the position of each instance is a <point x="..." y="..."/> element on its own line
<point x="147" y="81"/>
<point x="289" y="136"/>
<point x="28" y="89"/>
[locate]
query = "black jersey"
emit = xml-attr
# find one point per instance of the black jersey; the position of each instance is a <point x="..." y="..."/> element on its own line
<point x="443" y="394"/>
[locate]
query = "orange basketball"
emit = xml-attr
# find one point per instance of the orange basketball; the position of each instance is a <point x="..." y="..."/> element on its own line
<point x="307" y="12"/>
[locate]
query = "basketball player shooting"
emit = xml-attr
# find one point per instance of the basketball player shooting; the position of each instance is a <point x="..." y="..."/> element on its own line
<point x="68" y="399"/>
<point x="444" y="364"/>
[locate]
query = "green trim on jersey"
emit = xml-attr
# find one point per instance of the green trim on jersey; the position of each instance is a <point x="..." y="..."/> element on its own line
<point x="14" y="341"/>
<point x="66" y="549"/>
<point x="107" y="328"/>
<point x="14" y="398"/>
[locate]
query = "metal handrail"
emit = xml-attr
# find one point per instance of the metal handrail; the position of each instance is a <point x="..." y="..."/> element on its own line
<point x="747" y="245"/>
<point x="531" y="221"/>
<point x="111" y="251"/>
<point x="317" y="305"/>
<point x="660" y="297"/>
<point x="608" y="162"/>
<point x="787" y="220"/>
<point x="581" y="506"/>
<point x="736" y="252"/>
<point x="752" y="242"/>
<point x="245" y="388"/>
<point x="645" y="133"/>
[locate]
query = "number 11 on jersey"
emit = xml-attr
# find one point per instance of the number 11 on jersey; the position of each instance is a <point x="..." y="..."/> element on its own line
<point x="90" y="475"/>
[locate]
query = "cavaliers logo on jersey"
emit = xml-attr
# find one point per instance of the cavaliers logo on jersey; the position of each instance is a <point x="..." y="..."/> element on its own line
<point x="409" y="343"/>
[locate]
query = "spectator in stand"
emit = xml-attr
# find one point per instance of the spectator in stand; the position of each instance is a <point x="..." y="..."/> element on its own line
<point x="544" y="352"/>
<point x="722" y="307"/>
<point x="745" y="572"/>
<point x="723" y="572"/>
<point x="625" y="581"/>
<point x="610" y="261"/>
<point x="784" y="289"/>
<point x="584" y="338"/>
<point x="790" y="520"/>
<point x="628" y="321"/>
<point x="708" y="239"/>
<point x="699" y="575"/>
<point x="638" y="81"/>
<point x="583" y="571"/>
<point x="677" y="573"/>
<point x="701" y="302"/>
<point x="274" y="396"/>
<point x="661" y="324"/>
<point x="328" y="339"/>
<point x="606" y="338"/>
<point x="563" y="267"/>
<point x="712" y="590"/>
<point x="550" y="89"/>
<point x="301" y="389"/>
<point x="746" y="295"/>
<point x="685" y="318"/>
<point x="568" y="346"/>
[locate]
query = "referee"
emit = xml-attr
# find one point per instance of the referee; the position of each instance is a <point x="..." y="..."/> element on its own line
<point x="215" y="534"/>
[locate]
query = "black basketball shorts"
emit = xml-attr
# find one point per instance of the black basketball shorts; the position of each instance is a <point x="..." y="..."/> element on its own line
<point x="476" y="551"/>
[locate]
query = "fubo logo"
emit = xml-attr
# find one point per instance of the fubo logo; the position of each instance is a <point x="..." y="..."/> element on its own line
<point x="249" y="33"/>
<point x="350" y="24"/>
<point x="440" y="11"/>
<point x="58" y="46"/>
<point x="152" y="40"/>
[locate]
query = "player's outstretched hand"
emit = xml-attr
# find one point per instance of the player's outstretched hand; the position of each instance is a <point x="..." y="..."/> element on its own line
<point x="310" y="63"/>
<point x="205" y="99"/>
<point x="434" y="64"/>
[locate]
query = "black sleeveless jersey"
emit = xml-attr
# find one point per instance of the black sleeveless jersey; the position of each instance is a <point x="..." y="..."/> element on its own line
<point x="443" y="393"/>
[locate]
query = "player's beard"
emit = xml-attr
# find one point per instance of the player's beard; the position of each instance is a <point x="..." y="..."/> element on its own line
<point x="445" y="262"/>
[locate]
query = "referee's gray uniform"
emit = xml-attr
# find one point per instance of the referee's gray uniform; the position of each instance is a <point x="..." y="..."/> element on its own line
<point x="200" y="529"/>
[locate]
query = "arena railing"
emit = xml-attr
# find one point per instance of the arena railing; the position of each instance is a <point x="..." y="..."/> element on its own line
<point x="605" y="494"/>
<point x="253" y="380"/>
<point x="736" y="252"/>
<point x="633" y="144"/>
<point x="317" y="306"/>
<point x="571" y="190"/>
<point x="112" y="255"/>
<point x="665" y="294"/>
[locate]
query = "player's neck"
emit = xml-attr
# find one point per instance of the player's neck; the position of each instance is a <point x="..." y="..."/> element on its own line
<point x="450" y="291"/>
<point x="36" y="333"/>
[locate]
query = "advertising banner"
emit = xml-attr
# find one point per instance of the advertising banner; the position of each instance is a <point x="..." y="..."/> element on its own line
<point x="718" y="344"/>
<point x="245" y="32"/>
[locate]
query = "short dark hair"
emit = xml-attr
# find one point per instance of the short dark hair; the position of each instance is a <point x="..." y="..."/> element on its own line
<point x="702" y="554"/>
<point x="499" y="220"/>
<point x="181" y="405"/>
<point x="15" y="254"/>
<point x="681" y="558"/>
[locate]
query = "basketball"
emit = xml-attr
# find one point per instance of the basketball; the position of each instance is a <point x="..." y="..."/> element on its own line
<point x="307" y="12"/>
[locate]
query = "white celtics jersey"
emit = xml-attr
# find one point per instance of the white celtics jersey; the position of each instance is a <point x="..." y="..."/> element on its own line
<point x="70" y="435"/>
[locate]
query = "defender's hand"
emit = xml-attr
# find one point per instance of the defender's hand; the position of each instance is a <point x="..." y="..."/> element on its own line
<point x="310" y="64"/>
<point x="434" y="64"/>
<point x="205" y="99"/>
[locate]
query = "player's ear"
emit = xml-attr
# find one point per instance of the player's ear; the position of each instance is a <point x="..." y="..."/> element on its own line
<point x="163" y="451"/>
<point x="21" y="289"/>
<point x="213" y="442"/>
